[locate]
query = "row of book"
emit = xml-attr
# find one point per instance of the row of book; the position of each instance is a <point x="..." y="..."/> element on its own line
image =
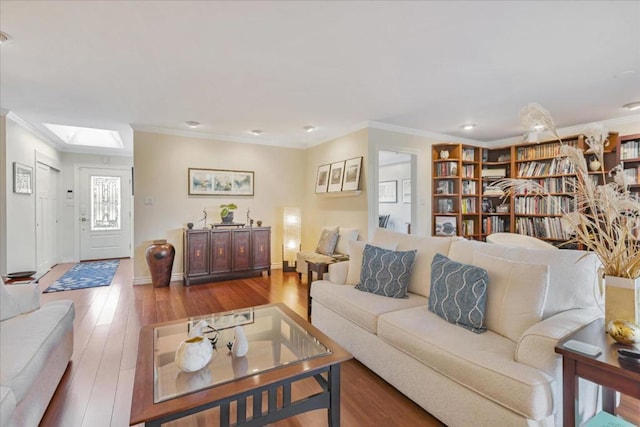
<point x="447" y="169"/>
<point x="630" y="149"/>
<point x="541" y="150"/>
<point x="632" y="175"/>
<point x="543" y="205"/>
<point x="468" y="205"/>
<point x="543" y="228"/>
<point x="468" y="154"/>
<point x="469" y="187"/>
<point x="564" y="184"/>
<point x="468" y="171"/>
<point x="494" y="224"/>
<point x="445" y="186"/>
<point x="468" y="227"/>
<point x="554" y="167"/>
<point x="445" y="206"/>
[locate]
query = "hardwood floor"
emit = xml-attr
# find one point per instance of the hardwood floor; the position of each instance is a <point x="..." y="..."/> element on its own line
<point x="97" y="387"/>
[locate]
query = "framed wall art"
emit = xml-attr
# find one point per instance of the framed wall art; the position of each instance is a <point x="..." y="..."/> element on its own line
<point x="388" y="192"/>
<point x="220" y="182"/>
<point x="351" y="179"/>
<point x="335" y="176"/>
<point x="406" y="191"/>
<point x="322" y="179"/>
<point x="446" y="226"/>
<point x="22" y="178"/>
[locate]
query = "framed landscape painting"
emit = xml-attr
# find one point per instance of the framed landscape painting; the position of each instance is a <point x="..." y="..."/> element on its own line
<point x="220" y="182"/>
<point x="388" y="192"/>
<point x="322" y="179"/>
<point x="446" y="226"/>
<point x="22" y="178"/>
<point x="335" y="176"/>
<point x="351" y="179"/>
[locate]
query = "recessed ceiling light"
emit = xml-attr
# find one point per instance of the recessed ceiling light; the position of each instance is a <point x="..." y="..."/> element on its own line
<point x="309" y="128"/>
<point x="4" y="37"/>
<point x="468" y="126"/>
<point x="256" y="131"/>
<point x="632" y="105"/>
<point x="538" y="128"/>
<point x="192" y="124"/>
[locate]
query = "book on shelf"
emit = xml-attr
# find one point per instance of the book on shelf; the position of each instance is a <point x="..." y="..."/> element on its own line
<point x="543" y="228"/>
<point x="468" y="205"/>
<point x="445" y="187"/>
<point x="632" y="175"/>
<point x="492" y="190"/>
<point x="468" y="171"/>
<point x="447" y="169"/>
<point x="494" y="224"/>
<point x="468" y="154"/>
<point x="494" y="172"/>
<point x="553" y="167"/>
<point x="468" y="187"/>
<point x="445" y="205"/>
<point x="542" y="150"/>
<point x="468" y="227"/>
<point x="630" y="149"/>
<point x="543" y="205"/>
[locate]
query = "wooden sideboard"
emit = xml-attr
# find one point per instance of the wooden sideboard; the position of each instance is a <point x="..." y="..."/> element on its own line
<point x="218" y="254"/>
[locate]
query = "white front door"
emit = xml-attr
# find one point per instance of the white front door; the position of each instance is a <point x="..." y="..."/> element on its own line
<point x="105" y="213"/>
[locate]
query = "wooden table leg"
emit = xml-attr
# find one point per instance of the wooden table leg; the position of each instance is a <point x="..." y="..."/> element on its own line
<point x="608" y="400"/>
<point x="309" y="280"/>
<point x="334" y="396"/>
<point x="569" y="391"/>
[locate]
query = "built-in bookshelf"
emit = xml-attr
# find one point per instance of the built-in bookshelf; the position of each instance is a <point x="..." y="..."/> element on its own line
<point x="456" y="190"/>
<point x="465" y="197"/>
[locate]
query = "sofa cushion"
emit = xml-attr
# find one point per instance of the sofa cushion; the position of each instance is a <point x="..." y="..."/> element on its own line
<point x="8" y="307"/>
<point x="328" y="240"/>
<point x="516" y="294"/>
<point x="483" y="363"/>
<point x="356" y="250"/>
<point x="427" y="247"/>
<point x="459" y="293"/>
<point x="345" y="235"/>
<point x="361" y="308"/>
<point x="386" y="272"/>
<point x="7" y="405"/>
<point x="32" y="337"/>
<point x="573" y="274"/>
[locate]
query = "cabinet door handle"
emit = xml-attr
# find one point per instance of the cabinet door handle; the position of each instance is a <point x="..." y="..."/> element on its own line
<point x="220" y="251"/>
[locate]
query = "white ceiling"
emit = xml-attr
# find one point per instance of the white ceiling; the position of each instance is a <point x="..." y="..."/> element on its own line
<point x="278" y="66"/>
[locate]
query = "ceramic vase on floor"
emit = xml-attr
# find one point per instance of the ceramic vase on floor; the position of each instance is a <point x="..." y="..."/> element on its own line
<point x="621" y="299"/>
<point x="160" y="256"/>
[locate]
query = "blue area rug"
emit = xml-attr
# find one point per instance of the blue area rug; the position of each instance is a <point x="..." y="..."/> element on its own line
<point x="85" y="275"/>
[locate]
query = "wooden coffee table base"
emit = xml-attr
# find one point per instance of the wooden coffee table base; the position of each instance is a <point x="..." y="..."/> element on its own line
<point x="328" y="398"/>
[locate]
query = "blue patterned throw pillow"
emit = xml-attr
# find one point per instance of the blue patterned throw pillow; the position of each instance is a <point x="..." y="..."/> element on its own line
<point x="458" y="293"/>
<point x="386" y="272"/>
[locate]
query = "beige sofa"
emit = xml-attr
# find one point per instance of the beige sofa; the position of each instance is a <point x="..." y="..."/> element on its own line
<point x="502" y="377"/>
<point x="36" y="343"/>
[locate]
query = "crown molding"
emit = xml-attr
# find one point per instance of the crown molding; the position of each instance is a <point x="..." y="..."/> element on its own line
<point x="209" y="136"/>
<point x="34" y="130"/>
<point x="571" y="130"/>
<point x="417" y="132"/>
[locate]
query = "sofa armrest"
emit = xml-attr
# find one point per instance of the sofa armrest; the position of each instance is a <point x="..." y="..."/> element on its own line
<point x="7" y="405"/>
<point x="338" y="272"/>
<point x="537" y="345"/>
<point x="26" y="296"/>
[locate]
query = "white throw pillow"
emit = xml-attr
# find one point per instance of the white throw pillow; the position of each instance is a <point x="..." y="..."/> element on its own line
<point x="516" y="294"/>
<point x="356" y="249"/>
<point x="8" y="307"/>
<point x="345" y="235"/>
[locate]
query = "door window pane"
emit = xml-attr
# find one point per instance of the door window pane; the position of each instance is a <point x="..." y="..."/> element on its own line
<point x="105" y="203"/>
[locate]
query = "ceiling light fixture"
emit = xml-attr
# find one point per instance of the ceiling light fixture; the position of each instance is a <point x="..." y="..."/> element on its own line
<point x="632" y="105"/>
<point x="192" y="124"/>
<point x="4" y="37"/>
<point x="538" y="128"/>
<point x="468" y="126"/>
<point x="256" y="131"/>
<point x="309" y="128"/>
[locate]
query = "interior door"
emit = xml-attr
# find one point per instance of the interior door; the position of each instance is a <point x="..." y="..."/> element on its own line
<point x="105" y="213"/>
<point x="46" y="217"/>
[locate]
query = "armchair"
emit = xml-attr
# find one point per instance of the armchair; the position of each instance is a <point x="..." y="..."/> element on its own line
<point x="334" y="242"/>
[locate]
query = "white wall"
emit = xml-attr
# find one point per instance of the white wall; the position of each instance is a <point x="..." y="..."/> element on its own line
<point x="22" y="146"/>
<point x="160" y="168"/>
<point x="320" y="210"/>
<point x="400" y="212"/>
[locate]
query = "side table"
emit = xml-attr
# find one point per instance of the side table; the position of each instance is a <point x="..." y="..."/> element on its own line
<point x="606" y="369"/>
<point x="319" y="268"/>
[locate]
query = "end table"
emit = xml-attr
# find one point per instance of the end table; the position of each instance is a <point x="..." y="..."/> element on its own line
<point x="319" y="268"/>
<point x="606" y="370"/>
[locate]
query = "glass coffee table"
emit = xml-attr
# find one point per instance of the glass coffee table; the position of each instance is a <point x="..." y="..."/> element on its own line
<point x="250" y="390"/>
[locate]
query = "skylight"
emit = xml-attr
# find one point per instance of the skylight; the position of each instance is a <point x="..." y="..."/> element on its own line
<point x="91" y="137"/>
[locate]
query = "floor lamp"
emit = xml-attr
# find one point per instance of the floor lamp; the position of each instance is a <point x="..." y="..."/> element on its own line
<point x="291" y="238"/>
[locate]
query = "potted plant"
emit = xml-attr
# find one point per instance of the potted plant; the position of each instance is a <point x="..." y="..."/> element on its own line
<point x="226" y="212"/>
<point x="607" y="218"/>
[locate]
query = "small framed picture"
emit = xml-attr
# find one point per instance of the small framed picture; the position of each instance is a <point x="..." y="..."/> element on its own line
<point x="388" y="192"/>
<point x="446" y="226"/>
<point x="406" y="191"/>
<point x="322" y="179"/>
<point x="22" y="178"/>
<point x="351" y="179"/>
<point x="335" y="177"/>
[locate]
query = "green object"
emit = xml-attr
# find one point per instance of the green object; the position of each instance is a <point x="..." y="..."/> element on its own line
<point x="227" y="208"/>
<point x="604" y="419"/>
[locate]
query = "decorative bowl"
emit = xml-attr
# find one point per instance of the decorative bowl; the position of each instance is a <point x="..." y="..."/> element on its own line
<point x="624" y="332"/>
